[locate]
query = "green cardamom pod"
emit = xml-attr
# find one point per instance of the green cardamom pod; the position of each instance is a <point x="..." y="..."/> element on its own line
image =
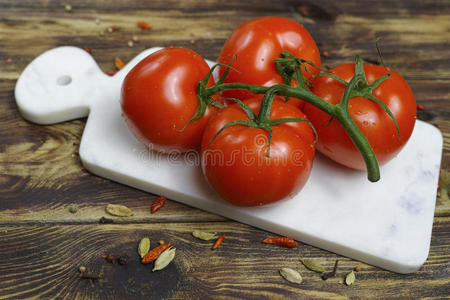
<point x="164" y="259"/>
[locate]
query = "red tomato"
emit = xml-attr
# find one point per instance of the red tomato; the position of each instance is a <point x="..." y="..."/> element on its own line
<point x="370" y="118"/>
<point x="236" y="164"/>
<point x="159" y="96"/>
<point x="257" y="43"/>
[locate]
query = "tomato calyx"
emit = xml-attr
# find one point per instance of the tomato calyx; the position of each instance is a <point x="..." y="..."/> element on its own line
<point x="204" y="99"/>
<point x="262" y="119"/>
<point x="290" y="68"/>
<point x="363" y="89"/>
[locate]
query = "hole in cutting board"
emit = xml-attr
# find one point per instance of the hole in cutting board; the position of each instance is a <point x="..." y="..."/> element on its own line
<point x="64" y="80"/>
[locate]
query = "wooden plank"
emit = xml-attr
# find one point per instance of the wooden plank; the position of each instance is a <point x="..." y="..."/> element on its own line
<point x="42" y="261"/>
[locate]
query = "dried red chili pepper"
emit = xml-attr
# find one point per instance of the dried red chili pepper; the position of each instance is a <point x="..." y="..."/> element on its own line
<point x="143" y="25"/>
<point x="118" y="63"/>
<point x="281" y="241"/>
<point x="420" y="107"/>
<point x="158" y="203"/>
<point x="218" y="242"/>
<point x="154" y="253"/>
<point x="88" y="49"/>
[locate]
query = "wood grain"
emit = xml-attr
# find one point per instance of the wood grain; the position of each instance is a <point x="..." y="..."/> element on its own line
<point x="47" y="265"/>
<point x="41" y="175"/>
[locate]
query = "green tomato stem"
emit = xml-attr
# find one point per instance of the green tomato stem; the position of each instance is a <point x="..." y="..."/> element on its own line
<point x="338" y="112"/>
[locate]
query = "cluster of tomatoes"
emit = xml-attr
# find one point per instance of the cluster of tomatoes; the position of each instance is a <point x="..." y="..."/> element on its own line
<point x="256" y="151"/>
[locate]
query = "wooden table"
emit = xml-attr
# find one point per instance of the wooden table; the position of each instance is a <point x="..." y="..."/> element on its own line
<point x="42" y="244"/>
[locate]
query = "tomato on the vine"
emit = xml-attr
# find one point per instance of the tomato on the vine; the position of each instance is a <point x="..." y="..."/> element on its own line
<point x="236" y="162"/>
<point x="257" y="43"/>
<point x="371" y="119"/>
<point x="159" y="97"/>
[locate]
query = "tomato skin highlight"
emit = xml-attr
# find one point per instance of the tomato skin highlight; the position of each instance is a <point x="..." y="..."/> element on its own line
<point x="257" y="43"/>
<point x="235" y="163"/>
<point x="370" y="118"/>
<point x="159" y="96"/>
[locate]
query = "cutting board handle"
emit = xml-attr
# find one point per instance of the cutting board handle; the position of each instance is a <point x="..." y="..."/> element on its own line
<point x="63" y="83"/>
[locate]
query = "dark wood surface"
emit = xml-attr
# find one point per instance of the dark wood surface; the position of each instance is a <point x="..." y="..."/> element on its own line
<point x="42" y="244"/>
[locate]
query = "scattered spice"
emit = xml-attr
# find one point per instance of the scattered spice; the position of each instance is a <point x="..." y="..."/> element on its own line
<point x="357" y="268"/>
<point x="203" y="235"/>
<point x="97" y="21"/>
<point x="73" y="209"/>
<point x="111" y="73"/>
<point x="130" y="43"/>
<point x="144" y="247"/>
<point x="118" y="63"/>
<point x="291" y="275"/>
<point x="104" y="220"/>
<point x="88" y="49"/>
<point x="123" y="260"/>
<point x="350" y="278"/>
<point x="154" y="253"/>
<point x="327" y="275"/>
<point x="281" y="241"/>
<point x="143" y="25"/>
<point x="89" y="275"/>
<point x="68" y="8"/>
<point x="114" y="28"/>
<point x="101" y="33"/>
<point x="161" y="242"/>
<point x="312" y="265"/>
<point x="325" y="54"/>
<point x="82" y="269"/>
<point x="158" y="203"/>
<point x="118" y="210"/>
<point x="111" y="258"/>
<point x="9" y="60"/>
<point x="218" y="242"/>
<point x="135" y="38"/>
<point x="192" y="42"/>
<point x="164" y="259"/>
<point x="420" y="107"/>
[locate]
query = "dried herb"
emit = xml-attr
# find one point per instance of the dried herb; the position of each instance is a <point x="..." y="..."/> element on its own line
<point x="118" y="63"/>
<point x="291" y="275"/>
<point x="158" y="203"/>
<point x="144" y="247"/>
<point x="164" y="259"/>
<point x="121" y="259"/>
<point x="73" y="209"/>
<point x="118" y="210"/>
<point x="154" y="253"/>
<point x="203" y="235"/>
<point x="104" y="220"/>
<point x="312" y="265"/>
<point x="350" y="278"/>
<point x="327" y="275"/>
<point x="218" y="242"/>
<point x="281" y="241"/>
<point x="143" y="25"/>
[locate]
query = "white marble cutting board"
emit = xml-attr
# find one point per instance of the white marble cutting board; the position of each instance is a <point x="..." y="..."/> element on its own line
<point x="387" y="224"/>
